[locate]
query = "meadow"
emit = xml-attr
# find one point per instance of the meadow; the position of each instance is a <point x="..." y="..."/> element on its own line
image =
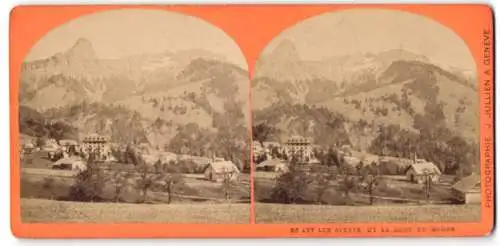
<point x="51" y="211"/>
<point x="394" y="200"/>
<point x="45" y="198"/>
<point x="297" y="213"/>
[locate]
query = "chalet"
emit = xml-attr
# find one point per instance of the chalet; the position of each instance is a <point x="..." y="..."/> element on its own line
<point x="314" y="161"/>
<point x="365" y="158"/>
<point x="269" y="165"/>
<point x="149" y="159"/>
<point x="28" y="147"/>
<point x="269" y="145"/>
<point x="200" y="163"/>
<point x="68" y="142"/>
<point x="51" y="143"/>
<point x="280" y="168"/>
<point x="73" y="163"/>
<point x="256" y="146"/>
<point x="468" y="189"/>
<point x="346" y="148"/>
<point x="351" y="161"/>
<point x="370" y="159"/>
<point x="418" y="171"/>
<point x="68" y="145"/>
<point x="50" y="146"/>
<point x="167" y="157"/>
<point x="218" y="170"/>
<point x="257" y="150"/>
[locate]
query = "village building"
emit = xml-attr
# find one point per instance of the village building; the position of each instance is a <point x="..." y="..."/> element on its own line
<point x="72" y="163"/>
<point x="68" y="142"/>
<point x="98" y="144"/>
<point x="144" y="147"/>
<point x="270" y="145"/>
<point x="281" y="168"/>
<point x="420" y="170"/>
<point x="370" y="160"/>
<point x="468" y="189"/>
<point x="50" y="145"/>
<point x="352" y="161"/>
<point x="218" y="170"/>
<point x="314" y="161"/>
<point x="200" y="161"/>
<point x="167" y="157"/>
<point x="257" y="150"/>
<point x="27" y="148"/>
<point x="68" y="145"/>
<point x="300" y="147"/>
<point x="269" y="165"/>
<point x="346" y="150"/>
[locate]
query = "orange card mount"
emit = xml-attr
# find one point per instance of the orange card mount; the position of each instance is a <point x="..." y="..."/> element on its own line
<point x="264" y="121"/>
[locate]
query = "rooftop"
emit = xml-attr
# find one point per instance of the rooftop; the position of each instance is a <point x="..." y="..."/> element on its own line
<point x="423" y="167"/>
<point x="269" y="163"/>
<point x="95" y="138"/>
<point x="298" y="139"/>
<point x="224" y="166"/>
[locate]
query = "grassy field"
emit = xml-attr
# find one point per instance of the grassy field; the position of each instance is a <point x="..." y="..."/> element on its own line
<point x="195" y="189"/>
<point x="397" y="200"/>
<point x="390" y="190"/>
<point x="280" y="213"/>
<point x="36" y="174"/>
<point x="37" y="159"/>
<point x="47" y="211"/>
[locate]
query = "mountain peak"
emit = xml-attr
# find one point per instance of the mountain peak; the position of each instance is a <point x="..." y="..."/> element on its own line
<point x="82" y="49"/>
<point x="400" y="54"/>
<point x="83" y="42"/>
<point x="285" y="51"/>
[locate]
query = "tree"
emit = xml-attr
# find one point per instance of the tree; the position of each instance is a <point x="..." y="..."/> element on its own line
<point x="169" y="183"/>
<point x="275" y="152"/>
<point x="261" y="132"/>
<point x="291" y="186"/>
<point x="158" y="166"/>
<point x="228" y="184"/>
<point x="89" y="183"/>
<point x="284" y="155"/>
<point x="370" y="179"/>
<point x="57" y="131"/>
<point x="323" y="176"/>
<point x="132" y="156"/>
<point x="119" y="180"/>
<point x="40" y="142"/>
<point x="332" y="158"/>
<point x="427" y="185"/>
<point x="145" y="182"/>
<point x="347" y="183"/>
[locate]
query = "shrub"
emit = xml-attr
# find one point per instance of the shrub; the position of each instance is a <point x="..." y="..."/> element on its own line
<point x="292" y="185"/>
<point x="169" y="183"/>
<point x="89" y="183"/>
<point x="145" y="182"/>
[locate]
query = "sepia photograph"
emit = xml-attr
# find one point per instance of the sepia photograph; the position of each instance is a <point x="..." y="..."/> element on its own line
<point x="135" y="116"/>
<point x="366" y="115"/>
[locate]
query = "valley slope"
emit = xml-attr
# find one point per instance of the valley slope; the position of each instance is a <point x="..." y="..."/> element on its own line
<point x="158" y="98"/>
<point x="361" y="98"/>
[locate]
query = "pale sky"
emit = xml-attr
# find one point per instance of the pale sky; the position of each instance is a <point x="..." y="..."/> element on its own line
<point x="119" y="33"/>
<point x="375" y="30"/>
